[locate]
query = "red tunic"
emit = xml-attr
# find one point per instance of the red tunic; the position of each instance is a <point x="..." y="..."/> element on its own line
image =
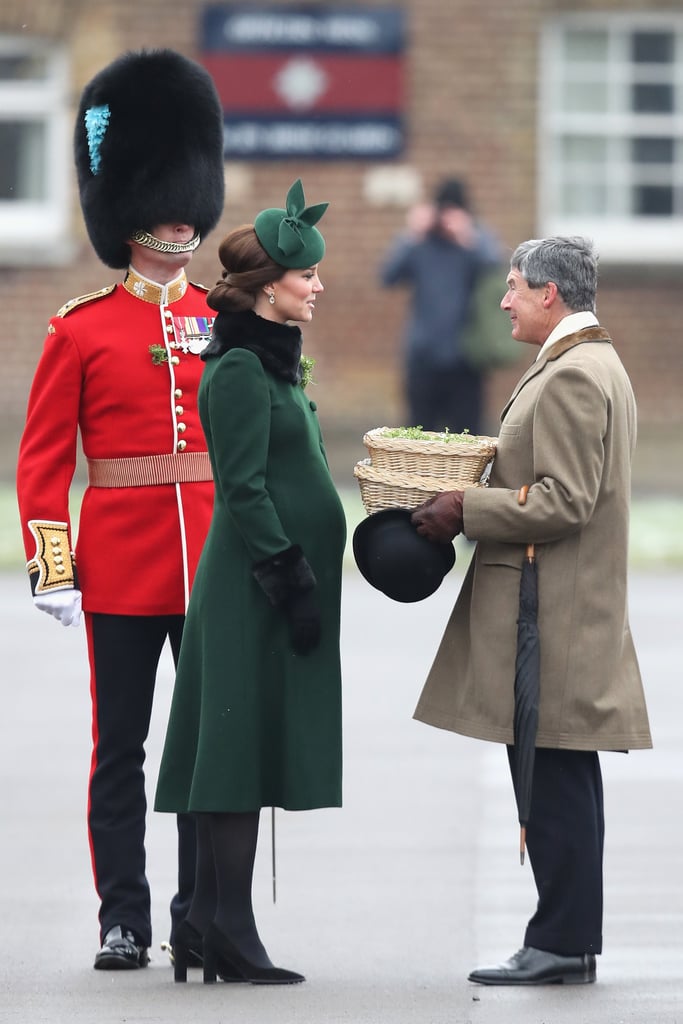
<point x="137" y="547"/>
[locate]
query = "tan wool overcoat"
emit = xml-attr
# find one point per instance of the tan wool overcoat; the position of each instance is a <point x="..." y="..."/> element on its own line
<point x="568" y="431"/>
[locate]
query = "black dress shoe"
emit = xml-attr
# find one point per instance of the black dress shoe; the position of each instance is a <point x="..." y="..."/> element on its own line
<point x="531" y="966"/>
<point x="223" y="959"/>
<point x="120" y="951"/>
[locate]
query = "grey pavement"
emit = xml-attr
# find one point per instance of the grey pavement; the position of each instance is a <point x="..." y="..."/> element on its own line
<point x="386" y="904"/>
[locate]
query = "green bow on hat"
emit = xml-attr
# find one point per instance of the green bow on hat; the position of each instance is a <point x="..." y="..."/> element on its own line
<point x="289" y="236"/>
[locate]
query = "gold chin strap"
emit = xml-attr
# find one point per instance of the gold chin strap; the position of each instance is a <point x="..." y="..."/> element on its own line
<point x="150" y="242"/>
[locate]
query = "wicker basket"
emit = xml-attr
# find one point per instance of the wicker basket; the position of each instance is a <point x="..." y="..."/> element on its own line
<point x="403" y="472"/>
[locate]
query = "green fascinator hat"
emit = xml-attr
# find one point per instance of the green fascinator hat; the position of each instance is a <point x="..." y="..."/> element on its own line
<point x="290" y="236"/>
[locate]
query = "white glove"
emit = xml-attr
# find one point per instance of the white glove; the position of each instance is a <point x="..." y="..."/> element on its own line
<point x="65" y="605"/>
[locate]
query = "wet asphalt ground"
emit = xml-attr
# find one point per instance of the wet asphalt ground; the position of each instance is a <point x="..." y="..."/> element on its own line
<point x="384" y="905"/>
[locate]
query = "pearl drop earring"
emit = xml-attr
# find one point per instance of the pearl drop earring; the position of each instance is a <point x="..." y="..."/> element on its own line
<point x="271" y="298"/>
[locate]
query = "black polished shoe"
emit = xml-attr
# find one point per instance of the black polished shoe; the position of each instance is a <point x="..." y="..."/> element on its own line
<point x="531" y="966"/>
<point x="223" y="959"/>
<point x="120" y="951"/>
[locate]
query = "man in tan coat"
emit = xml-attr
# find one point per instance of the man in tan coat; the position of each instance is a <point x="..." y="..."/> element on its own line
<point x="568" y="433"/>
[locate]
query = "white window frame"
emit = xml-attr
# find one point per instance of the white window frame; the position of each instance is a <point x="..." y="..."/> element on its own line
<point x="619" y="239"/>
<point x="37" y="231"/>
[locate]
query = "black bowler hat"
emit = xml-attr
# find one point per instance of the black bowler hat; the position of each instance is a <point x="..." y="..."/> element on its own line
<point x="394" y="558"/>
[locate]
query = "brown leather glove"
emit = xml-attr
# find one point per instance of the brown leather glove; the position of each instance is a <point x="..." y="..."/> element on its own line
<point x="440" y="518"/>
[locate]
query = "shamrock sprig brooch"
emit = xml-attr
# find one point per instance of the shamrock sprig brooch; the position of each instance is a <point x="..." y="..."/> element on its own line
<point x="306" y="365"/>
<point x="159" y="355"/>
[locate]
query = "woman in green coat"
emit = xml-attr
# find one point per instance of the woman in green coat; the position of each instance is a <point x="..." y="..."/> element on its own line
<point x="256" y="713"/>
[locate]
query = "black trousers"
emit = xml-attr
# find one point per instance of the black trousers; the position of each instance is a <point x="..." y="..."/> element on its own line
<point x="444" y="397"/>
<point x="124" y="652"/>
<point x="565" y="838"/>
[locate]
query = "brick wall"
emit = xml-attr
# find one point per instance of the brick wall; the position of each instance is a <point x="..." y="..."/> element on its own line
<point x="471" y="106"/>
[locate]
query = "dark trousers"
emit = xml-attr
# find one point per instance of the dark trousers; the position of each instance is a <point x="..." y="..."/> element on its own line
<point x="565" y="837"/>
<point x="124" y="652"/>
<point x="444" y="397"/>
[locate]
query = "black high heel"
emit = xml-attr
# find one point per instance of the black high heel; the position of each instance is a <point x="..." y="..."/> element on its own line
<point x="222" y="957"/>
<point x="187" y="950"/>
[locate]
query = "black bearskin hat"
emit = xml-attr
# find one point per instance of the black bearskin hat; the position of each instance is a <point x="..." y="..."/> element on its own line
<point x="148" y="147"/>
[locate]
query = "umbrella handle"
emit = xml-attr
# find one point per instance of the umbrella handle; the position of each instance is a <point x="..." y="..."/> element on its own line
<point x="521" y="500"/>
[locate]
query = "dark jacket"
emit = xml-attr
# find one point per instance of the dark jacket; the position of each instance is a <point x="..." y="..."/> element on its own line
<point x="442" y="276"/>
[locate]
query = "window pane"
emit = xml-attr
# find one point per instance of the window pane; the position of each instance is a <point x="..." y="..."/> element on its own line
<point x="584" y="97"/>
<point x="22" y="160"/>
<point x="583" y="149"/>
<point x="581" y="199"/>
<point x="652" y="99"/>
<point x="652" y="151"/>
<point x="653" y="200"/>
<point x="585" y="46"/>
<point x="22" y="67"/>
<point x="652" y="47"/>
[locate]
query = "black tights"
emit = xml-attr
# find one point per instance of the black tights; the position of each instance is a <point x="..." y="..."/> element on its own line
<point x="226" y="850"/>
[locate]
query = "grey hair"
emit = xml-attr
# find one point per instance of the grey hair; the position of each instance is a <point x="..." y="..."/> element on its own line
<point x="570" y="262"/>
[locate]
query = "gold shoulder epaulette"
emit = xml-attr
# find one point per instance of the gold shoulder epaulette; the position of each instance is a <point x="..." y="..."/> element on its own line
<point x="82" y="300"/>
<point x="202" y="287"/>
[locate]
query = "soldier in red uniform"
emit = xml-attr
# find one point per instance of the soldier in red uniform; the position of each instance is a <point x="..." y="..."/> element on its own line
<point x="122" y="366"/>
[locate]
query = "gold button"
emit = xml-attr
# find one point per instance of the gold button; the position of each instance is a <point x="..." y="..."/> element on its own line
<point x="181" y="428"/>
<point x="178" y="392"/>
<point x="179" y="410"/>
<point x="54" y="541"/>
<point x="169" y="328"/>
<point x="175" y="360"/>
<point x="59" y="559"/>
<point x="182" y="445"/>
<point x="59" y="568"/>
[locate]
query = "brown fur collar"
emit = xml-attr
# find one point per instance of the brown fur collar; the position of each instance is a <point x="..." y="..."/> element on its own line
<point x="578" y="338"/>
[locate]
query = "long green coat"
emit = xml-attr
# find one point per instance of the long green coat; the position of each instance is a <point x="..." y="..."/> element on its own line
<point x="252" y="723"/>
<point x="569" y="431"/>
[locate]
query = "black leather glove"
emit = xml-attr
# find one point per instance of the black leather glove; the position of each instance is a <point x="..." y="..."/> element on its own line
<point x="303" y="616"/>
<point x="289" y="584"/>
<point x="440" y="518"/>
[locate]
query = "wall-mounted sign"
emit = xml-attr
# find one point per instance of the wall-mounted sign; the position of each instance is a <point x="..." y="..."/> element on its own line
<point x="307" y="81"/>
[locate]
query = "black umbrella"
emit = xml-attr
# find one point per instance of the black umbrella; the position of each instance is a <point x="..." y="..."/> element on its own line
<point x="272" y="851"/>
<point x="527" y="688"/>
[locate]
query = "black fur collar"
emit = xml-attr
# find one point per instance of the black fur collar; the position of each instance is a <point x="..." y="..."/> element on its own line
<point x="278" y="346"/>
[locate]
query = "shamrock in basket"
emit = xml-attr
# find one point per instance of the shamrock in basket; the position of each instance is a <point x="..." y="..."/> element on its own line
<point x="408" y="465"/>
